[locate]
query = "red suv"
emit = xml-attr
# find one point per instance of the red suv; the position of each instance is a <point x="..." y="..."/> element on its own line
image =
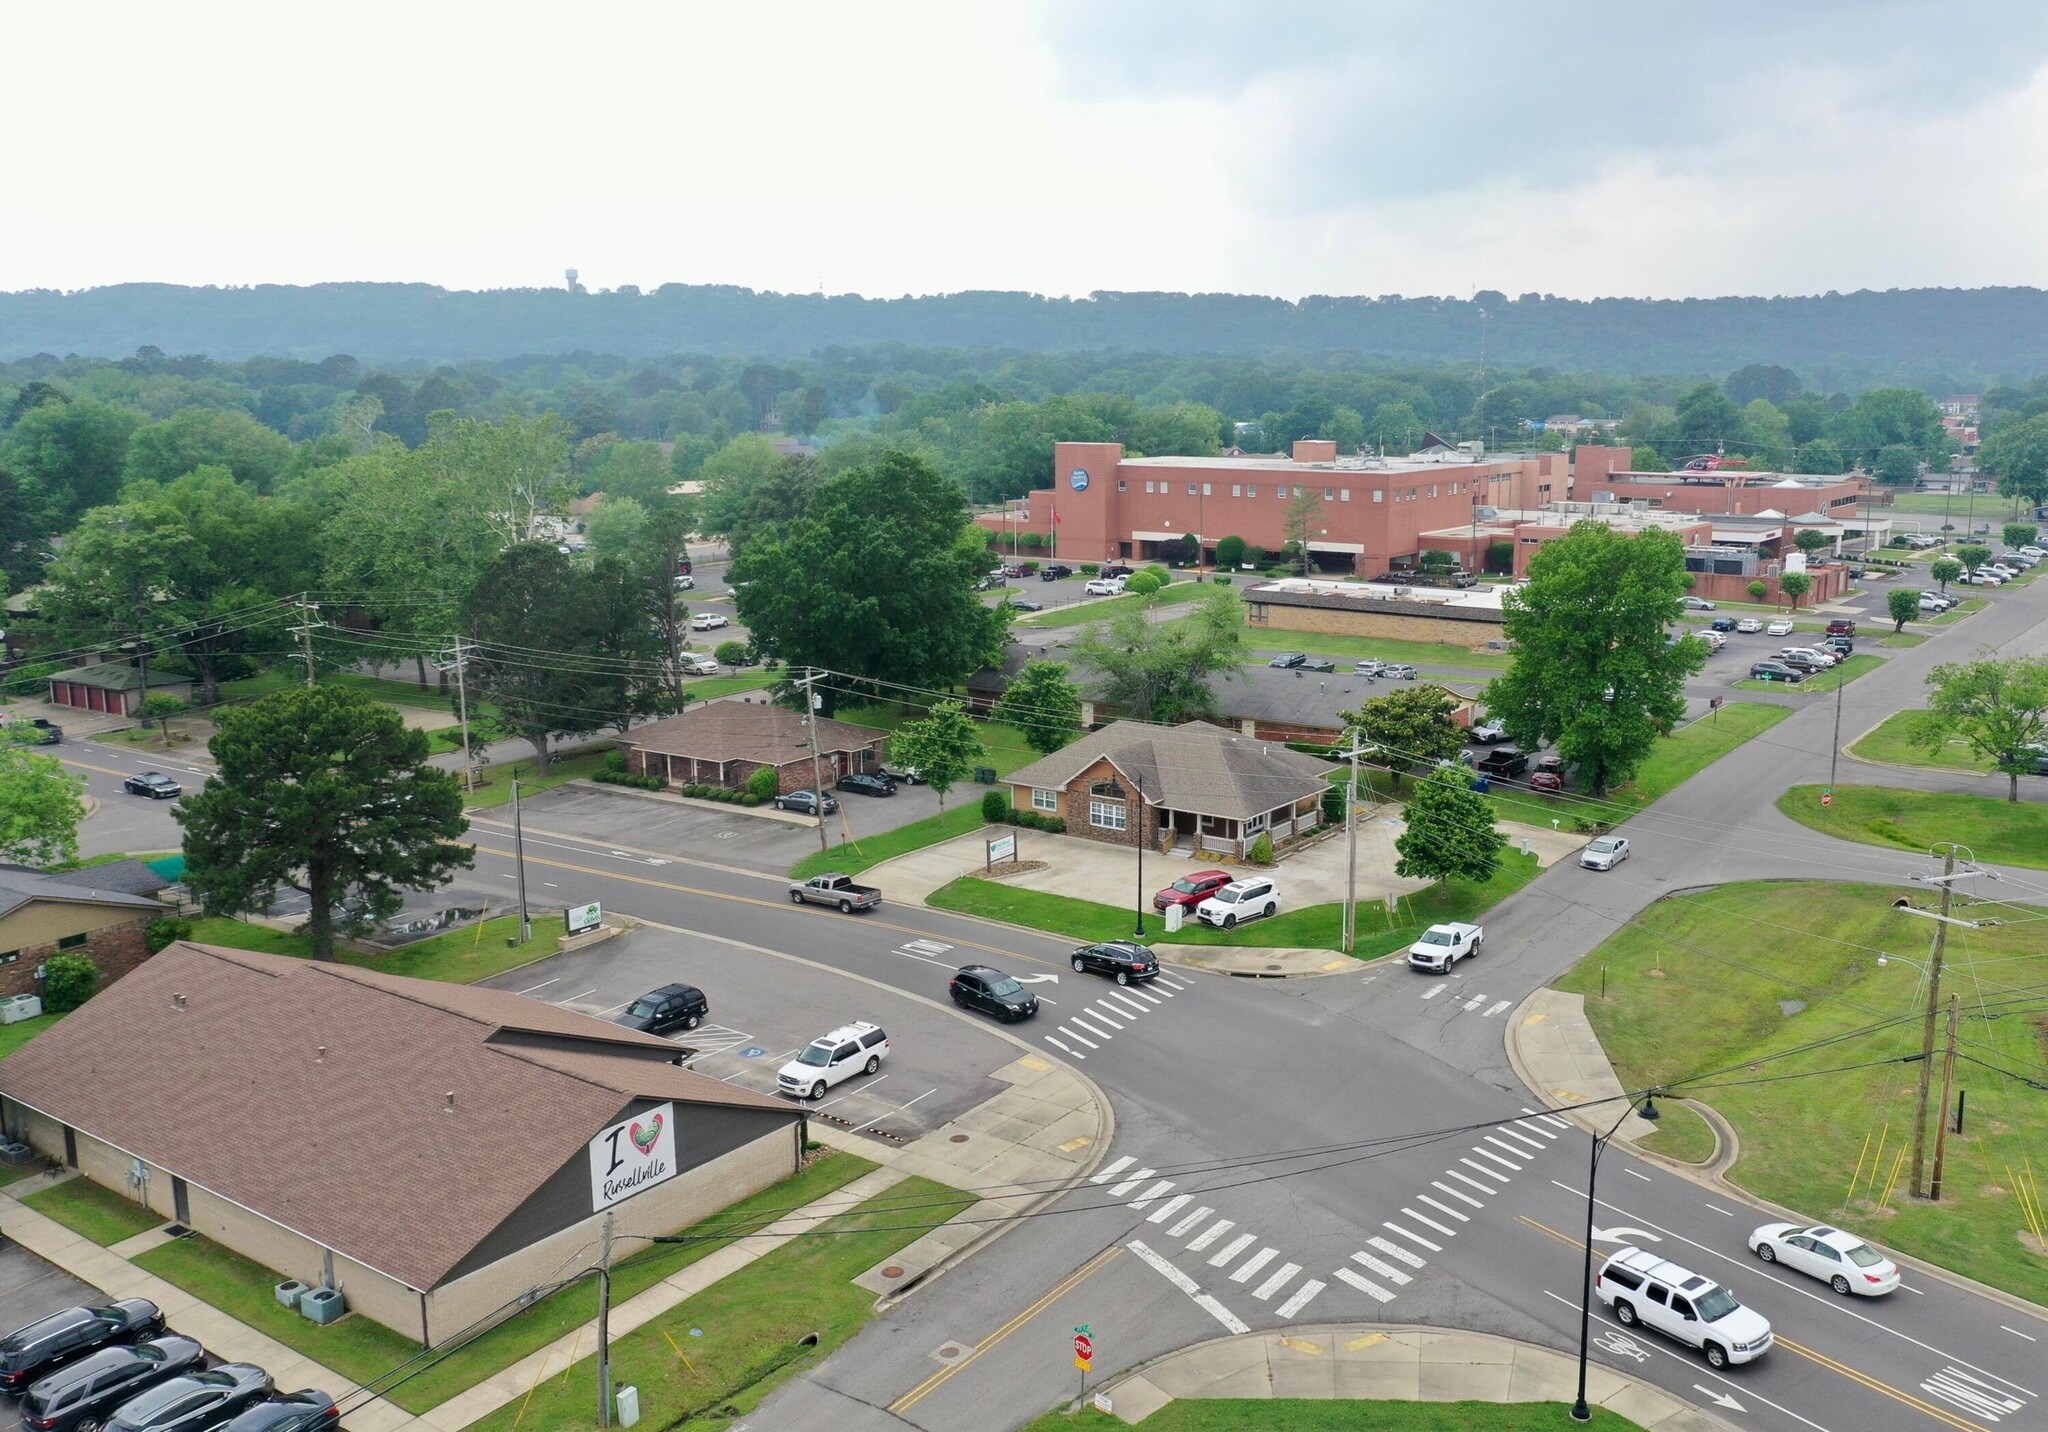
<point x="1841" y="626"/>
<point x="1191" y="890"/>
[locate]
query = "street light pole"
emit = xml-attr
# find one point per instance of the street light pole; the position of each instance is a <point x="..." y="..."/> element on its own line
<point x="519" y="861"/>
<point x="1581" y="1412"/>
<point x="1138" y="790"/>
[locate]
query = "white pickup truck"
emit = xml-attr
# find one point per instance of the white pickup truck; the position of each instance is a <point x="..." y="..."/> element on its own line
<point x="835" y="889"/>
<point x="1442" y="946"/>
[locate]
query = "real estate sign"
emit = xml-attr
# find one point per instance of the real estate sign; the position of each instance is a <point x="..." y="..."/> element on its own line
<point x="632" y="1155"/>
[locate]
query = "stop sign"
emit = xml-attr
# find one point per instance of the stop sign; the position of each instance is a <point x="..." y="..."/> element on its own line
<point x="1827" y="798"/>
<point x="1084" y="1347"/>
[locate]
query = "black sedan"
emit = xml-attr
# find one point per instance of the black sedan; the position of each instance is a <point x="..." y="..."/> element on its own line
<point x="1318" y="663"/>
<point x="1775" y="671"/>
<point x="154" y="784"/>
<point x="194" y="1402"/>
<point x="993" y="992"/>
<point x="86" y="1391"/>
<point x="1025" y="604"/>
<point x="1287" y="660"/>
<point x="26" y="1353"/>
<point x="308" y="1410"/>
<point x="805" y="801"/>
<point x="1123" y="960"/>
<point x="861" y="783"/>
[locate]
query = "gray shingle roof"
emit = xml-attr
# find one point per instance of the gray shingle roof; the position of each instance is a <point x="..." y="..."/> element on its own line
<point x="18" y="886"/>
<point x="1195" y="767"/>
<point x="129" y="877"/>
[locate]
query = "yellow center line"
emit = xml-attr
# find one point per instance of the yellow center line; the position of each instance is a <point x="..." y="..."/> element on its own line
<point x="1046" y="1300"/>
<point x="89" y="766"/>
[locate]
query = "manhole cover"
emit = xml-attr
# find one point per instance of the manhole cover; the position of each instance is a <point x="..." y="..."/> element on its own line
<point x="950" y="1351"/>
<point x="1272" y="967"/>
<point x="892" y="1271"/>
<point x="958" y="1139"/>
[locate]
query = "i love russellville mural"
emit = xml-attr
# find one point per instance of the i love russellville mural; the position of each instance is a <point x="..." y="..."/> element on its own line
<point x="632" y="1155"/>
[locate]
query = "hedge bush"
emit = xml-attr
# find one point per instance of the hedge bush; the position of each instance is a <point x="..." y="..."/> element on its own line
<point x="765" y="784"/>
<point x="995" y="807"/>
<point x="1262" y="850"/>
<point x="1333" y="803"/>
<point x="167" y="929"/>
<point x="68" y="982"/>
<point x="1089" y="569"/>
<point x="1032" y="820"/>
<point x="1221" y="579"/>
<point x="605" y="776"/>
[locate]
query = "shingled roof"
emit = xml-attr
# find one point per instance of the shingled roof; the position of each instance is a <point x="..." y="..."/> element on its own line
<point x="743" y="731"/>
<point x="1195" y="767"/>
<point x="19" y="885"/>
<point x="316" y="1094"/>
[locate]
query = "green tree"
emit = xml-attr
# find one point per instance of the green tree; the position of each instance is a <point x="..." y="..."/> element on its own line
<point x="1176" y="429"/>
<point x="1593" y="672"/>
<point x="1409" y="728"/>
<point x="1396" y="426"/>
<point x="160" y="707"/>
<point x="732" y="478"/>
<point x="1144" y="584"/>
<point x="1707" y="421"/>
<point x="1820" y="458"/>
<point x="1973" y="555"/>
<point x="1230" y="553"/>
<point x="2020" y="534"/>
<point x="1450" y="832"/>
<point x="68" y="981"/>
<point x="208" y="437"/>
<point x="2017" y="454"/>
<point x="1159" y="671"/>
<point x="1885" y="417"/>
<point x="1901" y="605"/>
<point x="1999" y="707"/>
<point x="943" y="748"/>
<point x="1302" y="521"/>
<point x="1043" y="704"/>
<point x="1898" y="465"/>
<point x="1767" y="434"/>
<point x="1647" y="459"/>
<point x="1795" y="585"/>
<point x="70" y="455"/>
<point x="1758" y="590"/>
<point x="614" y="525"/>
<point x="41" y="805"/>
<point x="325" y="791"/>
<point x="1810" y="540"/>
<point x="1944" y="570"/>
<point x="1763" y="382"/>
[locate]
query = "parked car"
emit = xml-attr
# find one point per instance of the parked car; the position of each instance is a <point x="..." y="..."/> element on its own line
<point x="805" y="801"/>
<point x="708" y="621"/>
<point x="1191" y="890"/>
<point x="1698" y="604"/>
<point x="154" y="784"/>
<point x="1116" y="569"/>
<point x="1025" y="604"/>
<point x="1604" y="853"/>
<point x="1369" y="668"/>
<point x="1053" y="571"/>
<point x="987" y="584"/>
<point x="1712" y="639"/>
<point x="2030" y="550"/>
<point x="1240" y="900"/>
<point x="857" y="1048"/>
<point x="1548" y="781"/>
<point x="1488" y="733"/>
<point x="1941" y="602"/>
<point x="1398" y="671"/>
<point x="1841" y="1260"/>
<point x="1750" y="626"/>
<point x="307" y="1410"/>
<point x="685" y="582"/>
<point x="195" y="1401"/>
<point x="36" y="731"/>
<point x="83" y="1393"/>
<point x="903" y="775"/>
<point x="992" y="992"/>
<point x="1442" y="946"/>
<point x="1775" y="671"/>
<point x="1839" y="647"/>
<point x="1805" y="659"/>
<point x="1502" y="763"/>
<point x="1841" y="626"/>
<point x="1009" y="569"/>
<point x="863" y="783"/>
<point x="1781" y="627"/>
<point x="696" y="663"/>
<point x="1723" y="624"/>
<point x="1647" y="1291"/>
<point x="673" y="1006"/>
<point x="1125" y="961"/>
<point x="1982" y="577"/>
<point x="834" y="888"/>
<point x="1103" y="586"/>
<point x="28" y="1352"/>
<point x="1288" y="659"/>
<point x="1318" y="663"/>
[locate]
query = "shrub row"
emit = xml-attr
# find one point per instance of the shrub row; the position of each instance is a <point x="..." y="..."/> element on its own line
<point x="720" y="793"/>
<point x="626" y="778"/>
<point x="1032" y="820"/>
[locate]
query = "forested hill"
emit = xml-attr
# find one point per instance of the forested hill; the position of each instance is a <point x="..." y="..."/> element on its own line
<point x="1901" y="333"/>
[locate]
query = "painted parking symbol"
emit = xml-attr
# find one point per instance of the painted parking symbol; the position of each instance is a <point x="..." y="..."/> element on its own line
<point x="752" y="1051"/>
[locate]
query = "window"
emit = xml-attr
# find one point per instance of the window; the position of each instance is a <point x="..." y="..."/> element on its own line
<point x="872" y="1038"/>
<point x="1379" y="494"/>
<point x="1121" y="485"/>
<point x="1432" y="489"/>
<point x="72" y="942"/>
<point x="1207" y="491"/>
<point x="1343" y="494"/>
<point x="1297" y="493"/>
<point x="1657" y="1295"/>
<point x="1042" y="799"/>
<point x="1191" y="489"/>
<point x="1329" y="494"/>
<point x="1681" y="1307"/>
<point x="1252" y="491"/>
<point x="1237" y="490"/>
<point x="1148" y="484"/>
<point x="10" y="957"/>
<point x="1256" y="824"/>
<point x="1107" y="815"/>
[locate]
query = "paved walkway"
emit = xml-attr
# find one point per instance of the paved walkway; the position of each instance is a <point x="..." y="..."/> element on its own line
<point x="1552" y="1046"/>
<point x="1393" y="1361"/>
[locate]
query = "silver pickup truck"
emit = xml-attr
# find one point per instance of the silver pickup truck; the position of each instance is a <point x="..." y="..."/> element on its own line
<point x="833" y="888"/>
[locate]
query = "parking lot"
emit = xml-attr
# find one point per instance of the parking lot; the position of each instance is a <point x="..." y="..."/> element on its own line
<point x="765" y="1010"/>
<point x="31" y="1289"/>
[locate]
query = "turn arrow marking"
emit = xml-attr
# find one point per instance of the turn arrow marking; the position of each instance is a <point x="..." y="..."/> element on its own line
<point x="1720" y="1398"/>
<point x="1624" y="1235"/>
<point x="1036" y="979"/>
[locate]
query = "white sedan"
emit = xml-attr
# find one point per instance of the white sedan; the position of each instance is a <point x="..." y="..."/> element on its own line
<point x="1841" y="1260"/>
<point x="1605" y="853"/>
<point x="708" y="621"/>
<point x="1749" y="626"/>
<point x="1781" y="627"/>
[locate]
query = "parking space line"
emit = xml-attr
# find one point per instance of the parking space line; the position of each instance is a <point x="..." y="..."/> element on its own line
<point x="897" y="1110"/>
<point x="542" y="985"/>
<point x="1167" y="1209"/>
<point x="851" y="1092"/>
<point x="574" y="997"/>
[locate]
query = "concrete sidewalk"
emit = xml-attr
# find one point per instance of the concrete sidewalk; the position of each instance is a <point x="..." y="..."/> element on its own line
<point x="1393" y="1362"/>
<point x="1554" y="1051"/>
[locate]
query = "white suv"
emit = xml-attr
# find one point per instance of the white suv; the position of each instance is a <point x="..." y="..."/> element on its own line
<point x="1103" y="586"/>
<point x="857" y="1048"/>
<point x="1644" y="1289"/>
<point x="1240" y="900"/>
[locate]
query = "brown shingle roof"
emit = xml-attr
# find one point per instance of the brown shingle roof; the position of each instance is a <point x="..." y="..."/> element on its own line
<point x="742" y="731"/>
<point x="358" y="1148"/>
<point x="1195" y="767"/>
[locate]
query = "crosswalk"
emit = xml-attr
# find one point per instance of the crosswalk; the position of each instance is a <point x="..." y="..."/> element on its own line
<point x="1390" y="1261"/>
<point x="1120" y="1006"/>
<point x="1468" y="1002"/>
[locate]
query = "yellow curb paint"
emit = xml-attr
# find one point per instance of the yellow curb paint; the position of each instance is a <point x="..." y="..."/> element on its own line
<point x="1369" y="1340"/>
<point x="1536" y="1018"/>
<point x="1336" y="964"/>
<point x="1029" y="1063"/>
<point x="1302" y="1345"/>
<point x="1570" y="1096"/>
<point x="1071" y="1144"/>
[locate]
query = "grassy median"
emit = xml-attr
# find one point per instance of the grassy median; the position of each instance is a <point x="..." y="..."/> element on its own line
<point x="1996" y="829"/>
<point x="1891" y="743"/>
<point x="1823" y="681"/>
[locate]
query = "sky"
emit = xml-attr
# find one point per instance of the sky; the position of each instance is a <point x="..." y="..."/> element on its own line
<point x="1579" y="147"/>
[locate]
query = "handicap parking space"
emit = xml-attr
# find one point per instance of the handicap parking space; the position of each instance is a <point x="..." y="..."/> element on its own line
<point x="763" y="1011"/>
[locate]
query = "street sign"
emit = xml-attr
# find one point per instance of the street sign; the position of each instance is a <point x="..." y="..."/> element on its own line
<point x="1827" y="798"/>
<point x="1084" y="1348"/>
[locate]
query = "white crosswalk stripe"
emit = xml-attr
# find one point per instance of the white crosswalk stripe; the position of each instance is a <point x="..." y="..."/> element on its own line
<point x="1230" y="1250"/>
<point x="1443" y="1208"/>
<point x="1171" y="983"/>
<point x="1547" y="1118"/>
<point x="1152" y="1194"/>
<point x="1412" y="1237"/>
<point x="1509" y="1164"/>
<point x="1123" y="1189"/>
<point x="1385" y="1270"/>
<point x="1187" y="1225"/>
<point x="1473" y="1182"/>
<point x="1482" y="1168"/>
<point x="1475" y="1001"/>
<point x="1520" y="1138"/>
<point x="1442" y="1187"/>
<point x="1435" y="991"/>
<point x="1396" y="1252"/>
<point x="1536" y="1128"/>
<point x="1070" y="1053"/>
<point x="1366" y="1286"/>
<point x="1250" y="1267"/>
<point x="1082" y="1038"/>
<point x="1505" y="1147"/>
<point x="1215" y="1231"/>
<point x="1110" y="1171"/>
<point x="1102" y="1034"/>
<point x="1275" y="1283"/>
<point x="1303" y="1296"/>
<point x="1427" y="1222"/>
<point x="1095" y="1011"/>
<point x="1167" y="1209"/>
<point x="1141" y="994"/>
<point x="1496" y="1008"/>
<point x="1123" y="1004"/>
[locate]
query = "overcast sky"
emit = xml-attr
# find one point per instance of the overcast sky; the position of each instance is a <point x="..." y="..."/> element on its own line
<point x="1578" y="147"/>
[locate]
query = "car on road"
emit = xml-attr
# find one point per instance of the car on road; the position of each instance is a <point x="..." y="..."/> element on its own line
<point x="696" y="663"/>
<point x="673" y="1006"/>
<point x="1644" y="1290"/>
<point x="1287" y="660"/>
<point x="1025" y="604"/>
<point x="1103" y="586"/>
<point x="154" y="784"/>
<point x="36" y="731"/>
<point x="1318" y="663"/>
<point x="1723" y="624"/>
<point x="307" y="1410"/>
<point x="1053" y="571"/>
<point x="28" y="1352"/>
<point x="1191" y="890"/>
<point x="864" y="783"/>
<point x="992" y="992"/>
<point x="1775" y="671"/>
<point x="1442" y="946"/>
<point x="1125" y="961"/>
<point x="857" y="1048"/>
<point x="1781" y="627"/>
<point x="1488" y="733"/>
<point x="708" y="621"/>
<point x="1841" y="1260"/>
<point x="1240" y="900"/>
<point x="1698" y="604"/>
<point x="194" y="1402"/>
<point x="805" y="801"/>
<point x="1749" y="626"/>
<point x="835" y="888"/>
<point x="83" y="1393"/>
<point x="1604" y="853"/>
<point x="1502" y="763"/>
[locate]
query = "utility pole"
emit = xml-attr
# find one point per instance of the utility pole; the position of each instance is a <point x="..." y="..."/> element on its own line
<point x="458" y="662"/>
<point x="1835" y="748"/>
<point x="1351" y="850"/>
<point x="519" y="861"/>
<point x="604" y="1341"/>
<point x="309" y="622"/>
<point x="817" y="770"/>
<point x="1927" y="1032"/>
<point x="1948" y="1094"/>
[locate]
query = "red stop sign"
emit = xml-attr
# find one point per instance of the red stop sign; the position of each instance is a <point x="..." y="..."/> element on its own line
<point x="1827" y="798"/>
<point x="1084" y="1347"/>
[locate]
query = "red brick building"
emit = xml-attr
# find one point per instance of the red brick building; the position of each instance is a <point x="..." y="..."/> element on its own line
<point x="98" y="913"/>
<point x="722" y="743"/>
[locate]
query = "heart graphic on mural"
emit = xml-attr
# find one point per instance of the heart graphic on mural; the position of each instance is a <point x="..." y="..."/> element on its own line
<point x="645" y="1139"/>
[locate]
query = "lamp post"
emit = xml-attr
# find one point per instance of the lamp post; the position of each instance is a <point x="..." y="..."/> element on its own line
<point x="1580" y="1411"/>
<point x="1138" y="792"/>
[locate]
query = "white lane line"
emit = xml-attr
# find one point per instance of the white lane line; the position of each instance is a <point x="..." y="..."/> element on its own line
<point x="1370" y="1289"/>
<point x="1385" y="1270"/>
<point x="1250" y="1267"/>
<point x="1436" y="990"/>
<point x="2016" y="1333"/>
<point x="1082" y="1038"/>
<point x="1536" y="1128"/>
<point x="1231" y="1249"/>
<point x="1442" y="1187"/>
<point x="1104" y="1175"/>
<point x="1443" y="1208"/>
<point x="1504" y="1146"/>
<point x="1187" y="1225"/>
<point x="1473" y="1182"/>
<point x="1303" y="1296"/>
<point x="1167" y="1209"/>
<point x="542" y="985"/>
<point x="1209" y="1235"/>
<point x="1124" y="1188"/>
<point x="1102" y="1034"/>
<point x="1722" y="1211"/>
<point x="1152" y="1194"/>
<point x="1188" y="1285"/>
<point x="1095" y="1012"/>
<point x="1643" y="1176"/>
<point x="1070" y="1053"/>
<point x="1278" y="1281"/>
<point x="1496" y="1008"/>
<point x="1396" y="1252"/>
<point x="1519" y="1138"/>
<point x="1482" y="1168"/>
<point x="1509" y="1164"/>
<point x="1413" y="1237"/>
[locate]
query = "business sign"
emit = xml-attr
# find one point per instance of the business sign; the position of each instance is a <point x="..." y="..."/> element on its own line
<point x="632" y="1155"/>
<point x="583" y="917"/>
<point x="1003" y="847"/>
<point x="1079" y="478"/>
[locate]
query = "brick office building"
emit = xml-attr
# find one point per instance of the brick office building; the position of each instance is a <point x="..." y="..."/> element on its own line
<point x="102" y="913"/>
<point x="722" y="743"/>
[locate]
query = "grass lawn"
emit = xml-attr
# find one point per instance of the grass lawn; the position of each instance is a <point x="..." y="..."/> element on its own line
<point x="705" y="688"/>
<point x="1959" y="611"/>
<point x="962" y="814"/>
<point x="13" y="1036"/>
<point x="1827" y="680"/>
<point x="93" y="1212"/>
<point x="1096" y="609"/>
<point x="1312" y="927"/>
<point x="1714" y="981"/>
<point x="496" y="781"/>
<point x="1889" y="743"/>
<point x="112" y="857"/>
<point x="1267" y="637"/>
<point x="395" y="693"/>
<point x="751" y="1324"/>
<point x="1300" y="1414"/>
<point x="464" y="956"/>
<point x="1903" y="639"/>
<point x="1999" y="831"/>
<point x="1681" y="1134"/>
<point x="1003" y="746"/>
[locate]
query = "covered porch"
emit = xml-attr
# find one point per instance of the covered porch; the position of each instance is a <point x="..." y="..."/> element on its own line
<point x="1205" y="833"/>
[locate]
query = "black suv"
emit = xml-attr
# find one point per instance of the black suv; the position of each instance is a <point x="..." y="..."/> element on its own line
<point x="307" y="1410"/>
<point x="194" y="1402"/>
<point x="674" y="1006"/>
<point x="90" y="1389"/>
<point x="1127" y="960"/>
<point x="992" y="991"/>
<point x="27" y="1353"/>
<point x="1116" y="569"/>
<point x="1288" y="660"/>
<point x="1053" y="571"/>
